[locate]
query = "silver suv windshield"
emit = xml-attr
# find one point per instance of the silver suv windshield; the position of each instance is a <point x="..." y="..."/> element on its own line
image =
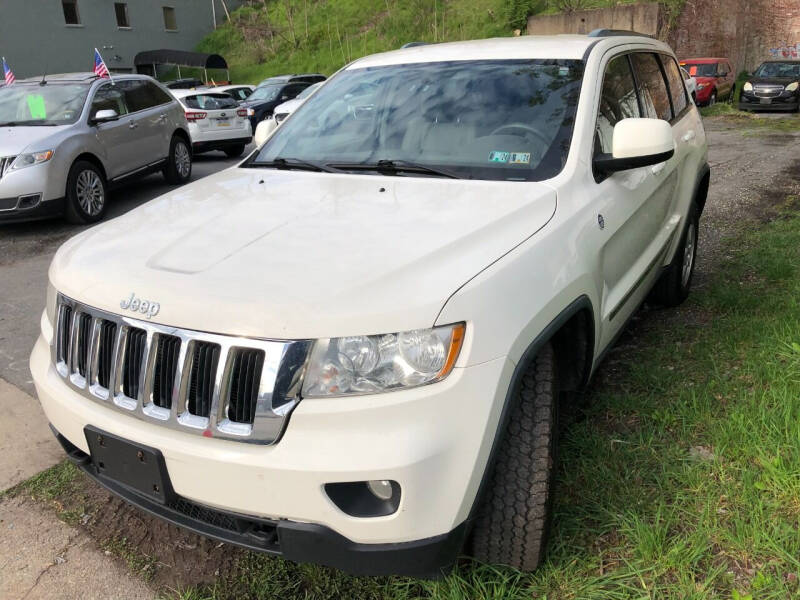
<point x="23" y="104"/>
<point x="487" y="119"/>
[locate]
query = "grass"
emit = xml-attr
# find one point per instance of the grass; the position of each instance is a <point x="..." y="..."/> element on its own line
<point x="299" y="36"/>
<point x="139" y="563"/>
<point x="683" y="480"/>
<point x="760" y="122"/>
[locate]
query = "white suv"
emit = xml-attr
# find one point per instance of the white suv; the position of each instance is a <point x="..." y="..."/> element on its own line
<point x="350" y="349"/>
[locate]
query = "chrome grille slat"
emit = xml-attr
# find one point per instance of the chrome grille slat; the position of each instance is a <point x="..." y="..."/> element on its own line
<point x="179" y="378"/>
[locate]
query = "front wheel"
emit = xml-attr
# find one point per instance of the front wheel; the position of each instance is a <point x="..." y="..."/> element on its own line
<point x="513" y="516"/>
<point x="234" y="151"/>
<point x="86" y="193"/>
<point x="179" y="161"/>
<point x="713" y="99"/>
<point x="673" y="286"/>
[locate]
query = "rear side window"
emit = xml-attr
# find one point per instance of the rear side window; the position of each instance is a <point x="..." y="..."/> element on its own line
<point x="676" y="90"/>
<point x="141" y="95"/>
<point x="210" y="101"/>
<point x="617" y="101"/>
<point x="652" y="87"/>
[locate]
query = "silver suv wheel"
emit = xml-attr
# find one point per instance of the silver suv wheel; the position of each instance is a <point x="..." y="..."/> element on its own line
<point x="183" y="160"/>
<point x="90" y="192"/>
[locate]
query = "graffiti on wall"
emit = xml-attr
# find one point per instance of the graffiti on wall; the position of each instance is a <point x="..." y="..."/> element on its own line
<point x="786" y="51"/>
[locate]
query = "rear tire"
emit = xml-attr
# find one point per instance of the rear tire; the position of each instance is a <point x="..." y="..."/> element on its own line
<point x="234" y="151"/>
<point x="674" y="285"/>
<point x="86" y="193"/>
<point x="513" y="516"/>
<point x="179" y="162"/>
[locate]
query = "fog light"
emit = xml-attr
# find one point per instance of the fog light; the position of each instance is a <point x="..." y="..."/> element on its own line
<point x="381" y="488"/>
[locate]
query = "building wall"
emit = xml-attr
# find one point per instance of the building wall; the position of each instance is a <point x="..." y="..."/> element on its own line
<point x="746" y="31"/>
<point x="34" y="37"/>
<point x="643" y="18"/>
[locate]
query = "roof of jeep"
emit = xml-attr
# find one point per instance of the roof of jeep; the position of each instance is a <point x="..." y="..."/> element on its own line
<point x="564" y="46"/>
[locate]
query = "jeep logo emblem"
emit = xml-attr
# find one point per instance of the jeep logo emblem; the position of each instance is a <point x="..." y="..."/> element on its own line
<point x="146" y="307"/>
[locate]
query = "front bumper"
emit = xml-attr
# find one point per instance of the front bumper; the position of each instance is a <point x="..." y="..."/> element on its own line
<point x="31" y="193"/>
<point x="433" y="440"/>
<point x="788" y="101"/>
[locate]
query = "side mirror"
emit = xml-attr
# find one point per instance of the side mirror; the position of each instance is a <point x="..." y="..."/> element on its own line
<point x="636" y="143"/>
<point x="104" y="116"/>
<point x="264" y="130"/>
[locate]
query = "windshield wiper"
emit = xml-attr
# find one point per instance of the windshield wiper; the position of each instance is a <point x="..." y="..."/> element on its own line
<point x="295" y="163"/>
<point x="393" y="167"/>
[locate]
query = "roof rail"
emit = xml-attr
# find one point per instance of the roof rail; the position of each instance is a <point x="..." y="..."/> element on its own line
<point x="414" y="44"/>
<point x="615" y="32"/>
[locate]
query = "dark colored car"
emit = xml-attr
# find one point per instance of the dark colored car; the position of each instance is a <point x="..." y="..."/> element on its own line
<point x="715" y="79"/>
<point x="775" y="85"/>
<point x="274" y="91"/>
<point x="184" y="84"/>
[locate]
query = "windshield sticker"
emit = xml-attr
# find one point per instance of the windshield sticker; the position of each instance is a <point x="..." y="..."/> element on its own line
<point x="36" y="106"/>
<point x="520" y="158"/>
<point x="498" y="157"/>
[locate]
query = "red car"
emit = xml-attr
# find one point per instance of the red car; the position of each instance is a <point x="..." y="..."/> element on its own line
<point x="715" y="78"/>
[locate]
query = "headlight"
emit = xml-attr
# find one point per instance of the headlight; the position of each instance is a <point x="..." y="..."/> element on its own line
<point x="369" y="364"/>
<point x="748" y="87"/>
<point x="34" y="158"/>
<point x="792" y="86"/>
<point x="251" y="112"/>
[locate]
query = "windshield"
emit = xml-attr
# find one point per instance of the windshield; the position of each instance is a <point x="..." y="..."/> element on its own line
<point x="34" y="104"/>
<point x="702" y="70"/>
<point x="265" y="93"/>
<point x="779" y="69"/>
<point x="493" y="119"/>
<point x="308" y="91"/>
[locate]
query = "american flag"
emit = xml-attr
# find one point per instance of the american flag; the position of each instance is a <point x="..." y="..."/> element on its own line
<point x="99" y="65"/>
<point x="8" y="73"/>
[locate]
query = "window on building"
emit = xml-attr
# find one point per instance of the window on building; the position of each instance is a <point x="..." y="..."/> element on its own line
<point x="121" y="10"/>
<point x="71" y="16"/>
<point x="170" y="22"/>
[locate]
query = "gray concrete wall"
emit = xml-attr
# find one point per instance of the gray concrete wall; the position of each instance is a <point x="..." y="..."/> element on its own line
<point x="643" y="18"/>
<point x="33" y="35"/>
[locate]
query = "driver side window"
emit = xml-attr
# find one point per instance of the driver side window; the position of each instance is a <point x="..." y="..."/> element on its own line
<point x="617" y="101"/>
<point x="108" y="97"/>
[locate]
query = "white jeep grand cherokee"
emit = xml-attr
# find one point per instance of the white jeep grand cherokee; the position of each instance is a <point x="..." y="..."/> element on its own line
<point x="349" y="350"/>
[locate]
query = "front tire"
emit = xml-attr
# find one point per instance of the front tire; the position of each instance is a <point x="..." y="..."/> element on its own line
<point x="513" y="516"/>
<point x="674" y="285"/>
<point x="86" y="193"/>
<point x="179" y="162"/>
<point x="713" y="99"/>
<point x="234" y="151"/>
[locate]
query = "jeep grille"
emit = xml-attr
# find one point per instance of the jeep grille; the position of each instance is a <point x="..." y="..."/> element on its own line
<point x="213" y="385"/>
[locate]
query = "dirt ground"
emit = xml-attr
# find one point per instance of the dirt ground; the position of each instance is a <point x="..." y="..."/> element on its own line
<point x="753" y="172"/>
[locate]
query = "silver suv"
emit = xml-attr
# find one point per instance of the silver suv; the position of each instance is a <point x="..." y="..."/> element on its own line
<point x="65" y="139"/>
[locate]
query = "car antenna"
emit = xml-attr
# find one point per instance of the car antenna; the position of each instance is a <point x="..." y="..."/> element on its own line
<point x="44" y="81"/>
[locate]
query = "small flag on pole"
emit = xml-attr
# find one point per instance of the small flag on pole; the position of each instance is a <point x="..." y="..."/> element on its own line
<point x="100" y="66"/>
<point x="9" y="74"/>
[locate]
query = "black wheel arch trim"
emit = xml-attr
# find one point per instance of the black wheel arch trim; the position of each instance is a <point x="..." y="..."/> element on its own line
<point x="582" y="303"/>
<point x="701" y="188"/>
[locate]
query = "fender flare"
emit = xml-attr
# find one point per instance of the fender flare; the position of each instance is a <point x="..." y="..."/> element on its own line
<point x="581" y="303"/>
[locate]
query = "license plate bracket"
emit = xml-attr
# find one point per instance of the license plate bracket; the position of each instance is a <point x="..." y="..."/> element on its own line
<point x="135" y="466"/>
<point x="766" y="100"/>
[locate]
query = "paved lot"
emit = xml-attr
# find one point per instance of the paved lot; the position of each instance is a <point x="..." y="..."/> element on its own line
<point x="25" y="253"/>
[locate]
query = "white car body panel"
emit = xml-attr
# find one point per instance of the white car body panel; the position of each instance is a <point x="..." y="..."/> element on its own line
<point x="279" y="254"/>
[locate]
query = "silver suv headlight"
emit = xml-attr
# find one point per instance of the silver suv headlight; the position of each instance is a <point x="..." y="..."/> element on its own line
<point x="369" y="364"/>
<point x="30" y="159"/>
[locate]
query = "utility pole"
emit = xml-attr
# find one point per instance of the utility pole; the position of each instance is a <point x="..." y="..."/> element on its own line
<point x="214" y="13"/>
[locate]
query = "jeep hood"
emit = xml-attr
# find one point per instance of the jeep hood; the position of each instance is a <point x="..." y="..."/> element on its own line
<point x="289" y="254"/>
<point x="15" y="140"/>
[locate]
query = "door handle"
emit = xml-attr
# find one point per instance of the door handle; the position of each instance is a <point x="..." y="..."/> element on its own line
<point x="689" y="136"/>
<point x="133" y="125"/>
<point x="162" y="117"/>
<point x="658" y="168"/>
